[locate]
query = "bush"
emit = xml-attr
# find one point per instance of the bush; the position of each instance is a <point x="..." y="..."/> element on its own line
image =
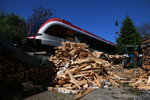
<point x="12" y="26"/>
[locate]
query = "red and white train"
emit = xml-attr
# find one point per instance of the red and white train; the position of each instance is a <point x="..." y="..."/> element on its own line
<point x="53" y="31"/>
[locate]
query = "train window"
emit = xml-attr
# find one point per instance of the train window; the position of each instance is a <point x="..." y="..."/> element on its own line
<point x="87" y="39"/>
<point x="56" y="30"/>
<point x="61" y="32"/>
<point x="70" y="35"/>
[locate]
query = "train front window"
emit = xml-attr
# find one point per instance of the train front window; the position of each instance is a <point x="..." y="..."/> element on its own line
<point x="60" y="32"/>
<point x="55" y="31"/>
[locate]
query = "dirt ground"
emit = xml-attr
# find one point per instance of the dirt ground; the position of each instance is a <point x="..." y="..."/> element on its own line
<point x="111" y="93"/>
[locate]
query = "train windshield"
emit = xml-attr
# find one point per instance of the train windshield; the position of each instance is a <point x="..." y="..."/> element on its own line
<point x="36" y="27"/>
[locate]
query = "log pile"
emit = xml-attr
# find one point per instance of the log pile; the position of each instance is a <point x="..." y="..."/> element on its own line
<point x="12" y="70"/>
<point x="142" y="82"/>
<point x="145" y="47"/>
<point x="137" y="78"/>
<point x="80" y="71"/>
<point x="113" y="59"/>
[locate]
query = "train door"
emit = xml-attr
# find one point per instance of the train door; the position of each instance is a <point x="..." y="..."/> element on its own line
<point x="78" y="37"/>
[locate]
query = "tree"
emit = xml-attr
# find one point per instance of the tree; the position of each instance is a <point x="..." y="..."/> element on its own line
<point x="12" y="26"/>
<point x="128" y="35"/>
<point x="116" y="24"/>
<point x="144" y="29"/>
<point x="2" y="14"/>
<point x="39" y="13"/>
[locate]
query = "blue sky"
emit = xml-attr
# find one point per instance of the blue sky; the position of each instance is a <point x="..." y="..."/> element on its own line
<point x="95" y="16"/>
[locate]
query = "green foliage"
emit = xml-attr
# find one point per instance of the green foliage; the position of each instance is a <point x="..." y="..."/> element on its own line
<point x="128" y="35"/>
<point x="12" y="26"/>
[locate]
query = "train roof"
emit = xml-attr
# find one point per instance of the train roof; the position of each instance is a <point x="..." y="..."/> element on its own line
<point x="70" y="24"/>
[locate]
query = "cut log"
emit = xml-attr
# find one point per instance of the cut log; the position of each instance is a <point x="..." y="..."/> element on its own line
<point x="114" y="83"/>
<point x="83" y="93"/>
<point x="144" y="87"/>
<point x="63" y="90"/>
<point x="73" y="80"/>
<point x="148" y="82"/>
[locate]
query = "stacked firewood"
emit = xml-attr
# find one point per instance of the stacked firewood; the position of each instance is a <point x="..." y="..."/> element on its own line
<point x="80" y="70"/>
<point x="145" y="47"/>
<point x="114" y="59"/>
<point x="12" y="70"/>
<point x="141" y="82"/>
<point x="137" y="78"/>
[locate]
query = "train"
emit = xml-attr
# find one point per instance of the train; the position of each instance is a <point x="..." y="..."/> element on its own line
<point x="50" y="33"/>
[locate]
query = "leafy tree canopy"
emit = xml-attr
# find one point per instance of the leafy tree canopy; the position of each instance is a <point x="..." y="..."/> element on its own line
<point x="12" y="26"/>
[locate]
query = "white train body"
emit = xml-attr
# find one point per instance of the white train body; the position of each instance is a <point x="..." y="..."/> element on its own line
<point x="53" y="31"/>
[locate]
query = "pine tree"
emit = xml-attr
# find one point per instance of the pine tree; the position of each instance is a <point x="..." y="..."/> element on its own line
<point x="128" y="35"/>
